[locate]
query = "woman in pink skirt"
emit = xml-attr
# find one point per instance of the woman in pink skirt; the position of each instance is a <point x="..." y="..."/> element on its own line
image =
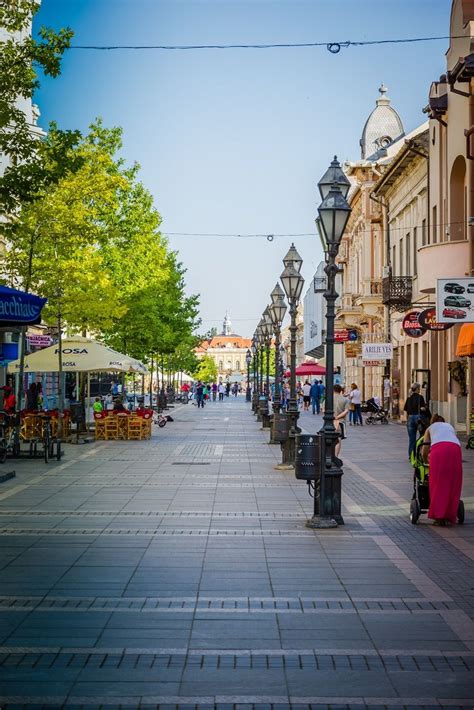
<point x="443" y="451"/>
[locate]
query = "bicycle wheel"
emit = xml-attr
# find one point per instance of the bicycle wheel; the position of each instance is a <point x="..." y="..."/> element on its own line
<point x="3" y="451"/>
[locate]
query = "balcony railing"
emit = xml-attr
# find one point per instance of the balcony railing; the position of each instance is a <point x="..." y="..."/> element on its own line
<point x="397" y="292"/>
<point x="375" y="287"/>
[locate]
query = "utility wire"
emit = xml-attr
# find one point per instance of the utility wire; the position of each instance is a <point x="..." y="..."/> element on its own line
<point x="333" y="47"/>
<point x="270" y="237"/>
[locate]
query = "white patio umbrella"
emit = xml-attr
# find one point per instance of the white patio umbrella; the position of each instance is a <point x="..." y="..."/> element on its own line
<point x="79" y="355"/>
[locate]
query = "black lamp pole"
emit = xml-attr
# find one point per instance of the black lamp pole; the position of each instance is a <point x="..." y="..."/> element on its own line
<point x="334" y="213"/>
<point x="248" y="392"/>
<point x="255" y="383"/>
<point x="293" y="285"/>
<point x="277" y="311"/>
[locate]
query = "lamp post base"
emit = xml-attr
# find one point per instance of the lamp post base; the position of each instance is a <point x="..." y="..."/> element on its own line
<point x="318" y="523"/>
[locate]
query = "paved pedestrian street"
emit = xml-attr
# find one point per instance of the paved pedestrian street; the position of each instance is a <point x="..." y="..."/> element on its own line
<point x="178" y="572"/>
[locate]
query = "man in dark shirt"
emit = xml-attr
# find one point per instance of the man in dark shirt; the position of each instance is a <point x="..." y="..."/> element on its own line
<point x="416" y="409"/>
<point x="200" y="394"/>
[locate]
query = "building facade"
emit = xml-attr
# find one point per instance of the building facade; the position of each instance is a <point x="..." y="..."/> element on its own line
<point x="362" y="252"/>
<point x="449" y="251"/>
<point x="228" y="350"/>
<point x="402" y="191"/>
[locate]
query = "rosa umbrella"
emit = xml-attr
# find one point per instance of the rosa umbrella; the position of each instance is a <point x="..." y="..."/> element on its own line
<point x="79" y="355"/>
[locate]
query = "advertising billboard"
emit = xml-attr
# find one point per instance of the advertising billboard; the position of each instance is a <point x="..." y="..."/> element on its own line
<point x="455" y="300"/>
<point x="313" y="306"/>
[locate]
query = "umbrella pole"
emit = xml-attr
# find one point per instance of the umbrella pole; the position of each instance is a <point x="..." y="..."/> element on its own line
<point x="88" y="398"/>
<point x="19" y="382"/>
<point x="60" y="380"/>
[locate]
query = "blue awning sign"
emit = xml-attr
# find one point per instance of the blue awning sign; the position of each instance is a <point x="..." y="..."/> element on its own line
<point x="19" y="308"/>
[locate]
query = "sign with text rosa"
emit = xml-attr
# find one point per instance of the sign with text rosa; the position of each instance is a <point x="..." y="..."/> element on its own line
<point x="377" y="351"/>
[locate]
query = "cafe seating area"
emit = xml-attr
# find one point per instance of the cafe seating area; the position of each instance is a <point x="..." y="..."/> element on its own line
<point x="32" y="424"/>
<point x="125" y="426"/>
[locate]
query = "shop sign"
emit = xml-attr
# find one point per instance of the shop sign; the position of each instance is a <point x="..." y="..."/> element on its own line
<point x="39" y="341"/>
<point x="343" y="335"/>
<point x="377" y="351"/>
<point x="374" y="363"/>
<point x="352" y="349"/>
<point x="412" y="326"/>
<point x="428" y="320"/>
<point x="455" y="300"/>
<point x="20" y="307"/>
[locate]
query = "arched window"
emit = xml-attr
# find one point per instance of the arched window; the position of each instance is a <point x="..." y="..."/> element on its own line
<point x="237" y="365"/>
<point x="457" y="227"/>
<point x="221" y="365"/>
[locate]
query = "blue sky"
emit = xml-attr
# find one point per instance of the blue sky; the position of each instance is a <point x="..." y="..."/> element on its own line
<point x="235" y="141"/>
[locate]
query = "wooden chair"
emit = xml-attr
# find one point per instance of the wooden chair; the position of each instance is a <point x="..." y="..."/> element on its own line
<point x="135" y="428"/>
<point x="100" y="419"/>
<point x="111" y="428"/>
<point x="122" y="424"/>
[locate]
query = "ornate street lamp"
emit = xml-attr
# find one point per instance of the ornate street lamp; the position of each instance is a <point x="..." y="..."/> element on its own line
<point x="260" y="347"/>
<point x="292" y="258"/>
<point x="334" y="213"/>
<point x="255" y="373"/>
<point x="267" y="330"/>
<point x="277" y="312"/>
<point x="248" y="392"/>
<point x="334" y="175"/>
<point x="292" y="282"/>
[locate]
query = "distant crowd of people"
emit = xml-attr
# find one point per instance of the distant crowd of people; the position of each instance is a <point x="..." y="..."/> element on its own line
<point x="202" y="392"/>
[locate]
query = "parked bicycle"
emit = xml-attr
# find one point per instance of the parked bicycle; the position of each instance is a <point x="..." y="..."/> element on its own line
<point x="49" y="443"/>
<point x="9" y="435"/>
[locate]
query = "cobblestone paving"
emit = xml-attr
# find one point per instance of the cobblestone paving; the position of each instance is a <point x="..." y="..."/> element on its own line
<point x="178" y="573"/>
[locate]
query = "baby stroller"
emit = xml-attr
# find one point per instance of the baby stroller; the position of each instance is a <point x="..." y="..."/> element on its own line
<point x="377" y="414"/>
<point x="420" y="501"/>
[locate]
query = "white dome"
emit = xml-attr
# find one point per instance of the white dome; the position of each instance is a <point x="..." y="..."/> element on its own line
<point x="383" y="127"/>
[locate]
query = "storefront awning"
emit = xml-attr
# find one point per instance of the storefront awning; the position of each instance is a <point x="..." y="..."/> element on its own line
<point x="19" y="308"/>
<point x="465" y="344"/>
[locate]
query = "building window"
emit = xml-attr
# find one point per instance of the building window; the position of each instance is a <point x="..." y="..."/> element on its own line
<point x="237" y="365"/>
<point x="394" y="259"/>
<point x="415" y="252"/>
<point x="423" y="232"/>
<point x="400" y="263"/>
<point x="408" y="256"/>
<point x="434" y="226"/>
<point x="221" y="365"/>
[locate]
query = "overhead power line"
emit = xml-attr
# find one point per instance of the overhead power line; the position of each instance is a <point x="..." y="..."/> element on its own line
<point x="271" y="237"/>
<point x="333" y="47"/>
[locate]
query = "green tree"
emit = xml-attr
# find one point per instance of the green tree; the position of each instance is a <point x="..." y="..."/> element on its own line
<point x="22" y="58"/>
<point x="206" y="369"/>
<point x="55" y="243"/>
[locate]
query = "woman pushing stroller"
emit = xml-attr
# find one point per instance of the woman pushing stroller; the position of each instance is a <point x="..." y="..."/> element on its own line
<point x="441" y="447"/>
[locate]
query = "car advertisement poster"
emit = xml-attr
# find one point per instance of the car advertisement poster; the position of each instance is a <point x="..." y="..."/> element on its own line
<point x="455" y="300"/>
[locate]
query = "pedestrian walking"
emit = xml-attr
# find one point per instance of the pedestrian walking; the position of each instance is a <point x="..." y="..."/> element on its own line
<point x="221" y="390"/>
<point x="417" y="413"/>
<point x="341" y="410"/>
<point x="214" y="391"/>
<point x="235" y="389"/>
<point x="322" y="391"/>
<point x="199" y="393"/>
<point x="315" y="394"/>
<point x="227" y="389"/>
<point x="355" y="397"/>
<point x="306" y="395"/>
<point x="441" y="447"/>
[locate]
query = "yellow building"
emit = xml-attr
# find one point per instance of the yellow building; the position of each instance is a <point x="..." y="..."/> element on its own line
<point x="362" y="252"/>
<point x="228" y="351"/>
<point x="402" y="191"/>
